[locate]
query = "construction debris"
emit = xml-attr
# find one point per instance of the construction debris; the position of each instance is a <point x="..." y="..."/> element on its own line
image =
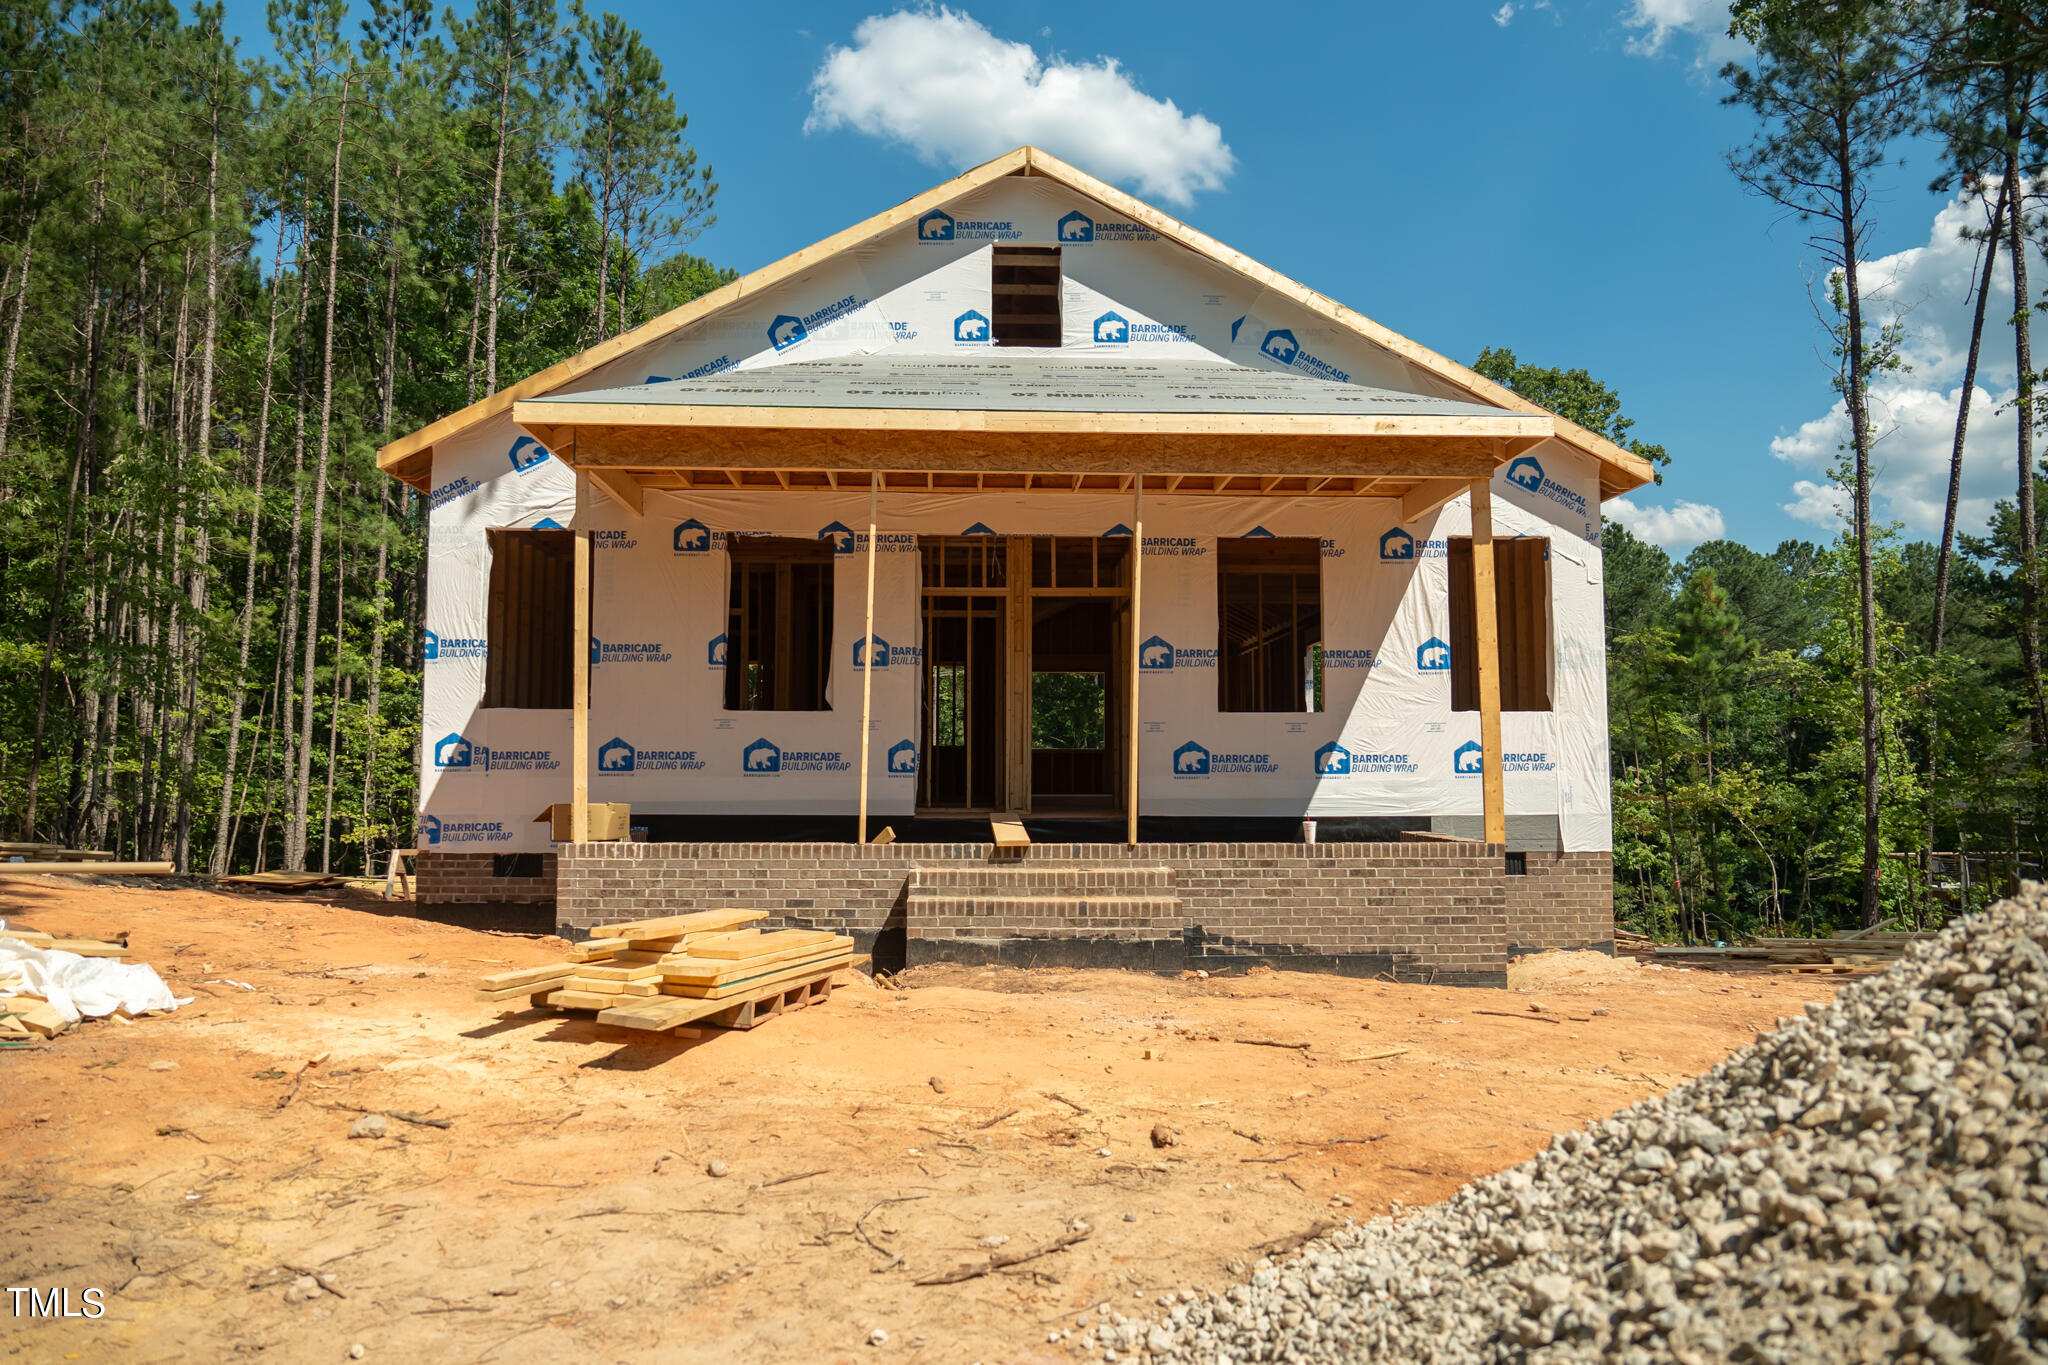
<point x="1850" y="953"/>
<point x="662" y="974"/>
<point x="286" y="881"/>
<point x="47" y="984"/>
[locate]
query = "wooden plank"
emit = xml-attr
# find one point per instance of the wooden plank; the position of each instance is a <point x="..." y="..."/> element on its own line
<point x="811" y="967"/>
<point x="539" y="987"/>
<point x="524" y="976"/>
<point x="595" y="950"/>
<point x="613" y="986"/>
<point x="1487" y="629"/>
<point x="659" y="1013"/>
<point x="1009" y="831"/>
<point x="632" y="971"/>
<point x="761" y="945"/>
<point x="867" y="665"/>
<point x="711" y="972"/>
<point x="1428" y="495"/>
<point x="621" y="487"/>
<point x="1137" y="673"/>
<point x="570" y="999"/>
<point x="85" y="947"/>
<point x="729" y="918"/>
<point x="91" y="869"/>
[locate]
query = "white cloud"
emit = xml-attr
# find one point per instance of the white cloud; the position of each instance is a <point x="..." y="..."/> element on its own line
<point x="944" y="86"/>
<point x="1703" y="24"/>
<point x="1927" y="289"/>
<point x="1682" y="523"/>
<point x="1505" y="15"/>
<point x="1825" y="505"/>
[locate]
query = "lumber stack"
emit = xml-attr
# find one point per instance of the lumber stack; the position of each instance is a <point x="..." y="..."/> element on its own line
<point x="285" y="881"/>
<point x="1848" y="952"/>
<point x="661" y="974"/>
<point x="52" y="853"/>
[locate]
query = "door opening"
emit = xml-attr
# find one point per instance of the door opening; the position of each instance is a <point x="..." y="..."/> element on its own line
<point x="965" y="599"/>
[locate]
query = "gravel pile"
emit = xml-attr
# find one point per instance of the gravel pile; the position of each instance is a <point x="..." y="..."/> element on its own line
<point x="1870" y="1182"/>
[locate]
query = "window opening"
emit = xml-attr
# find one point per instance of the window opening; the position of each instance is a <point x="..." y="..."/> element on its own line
<point x="778" y="624"/>
<point x="1270" y="618"/>
<point x="529" y="620"/>
<point x="1521" y="604"/>
<point x="1024" y="285"/>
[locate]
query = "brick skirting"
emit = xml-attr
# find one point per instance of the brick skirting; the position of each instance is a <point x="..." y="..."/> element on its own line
<point x="466" y="879"/>
<point x="1446" y="910"/>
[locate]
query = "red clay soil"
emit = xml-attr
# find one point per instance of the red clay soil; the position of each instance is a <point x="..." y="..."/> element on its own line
<point x="193" y="1166"/>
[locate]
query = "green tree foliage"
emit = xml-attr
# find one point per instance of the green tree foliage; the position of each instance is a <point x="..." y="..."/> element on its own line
<point x="223" y="276"/>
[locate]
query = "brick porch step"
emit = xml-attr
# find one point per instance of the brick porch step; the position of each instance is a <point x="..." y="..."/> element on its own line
<point x="1042" y="898"/>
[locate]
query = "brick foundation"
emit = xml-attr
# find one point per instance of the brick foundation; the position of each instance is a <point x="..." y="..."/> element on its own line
<point x="466" y="879"/>
<point x="1445" y="910"/>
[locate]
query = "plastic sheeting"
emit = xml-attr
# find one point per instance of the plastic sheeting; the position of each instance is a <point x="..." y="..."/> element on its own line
<point x="82" y="987"/>
<point x="1385" y="744"/>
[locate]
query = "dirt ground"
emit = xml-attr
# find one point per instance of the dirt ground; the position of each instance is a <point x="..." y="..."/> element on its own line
<point x="191" y="1165"/>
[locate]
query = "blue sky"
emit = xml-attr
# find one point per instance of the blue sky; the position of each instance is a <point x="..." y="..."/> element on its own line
<point x="1549" y="177"/>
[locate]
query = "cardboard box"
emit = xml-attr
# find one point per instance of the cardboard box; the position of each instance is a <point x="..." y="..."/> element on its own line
<point x="608" y="820"/>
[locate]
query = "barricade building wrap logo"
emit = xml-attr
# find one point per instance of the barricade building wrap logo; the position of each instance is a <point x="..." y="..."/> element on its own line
<point x="612" y="540"/>
<point x="1157" y="655"/>
<point x="440" y="647"/>
<point x="1333" y="760"/>
<point x="602" y="653"/>
<point x="692" y="537"/>
<point x="1362" y="763"/>
<point x="762" y="756"/>
<point x="1165" y="547"/>
<point x="709" y="367"/>
<point x="941" y="226"/>
<point x="874" y="647"/>
<point x="459" y="487"/>
<point x="527" y="455"/>
<point x="616" y="757"/>
<point x="971" y="326"/>
<point x="436" y="832"/>
<point x="1078" y="229"/>
<point x="1527" y="474"/>
<point x="841" y="536"/>
<point x="765" y="758"/>
<point x="788" y="329"/>
<point x="1527" y="763"/>
<point x="1349" y="658"/>
<point x="714" y="653"/>
<point x="903" y="759"/>
<point x="1194" y="760"/>
<point x="1396" y="546"/>
<point x="1280" y="346"/>
<point x="1468" y="759"/>
<point x="846" y="541"/>
<point x="1112" y="329"/>
<point x="1432" y="656"/>
<point x="454" y="754"/>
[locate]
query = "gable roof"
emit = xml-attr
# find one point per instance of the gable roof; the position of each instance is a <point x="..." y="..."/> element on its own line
<point x="409" y="458"/>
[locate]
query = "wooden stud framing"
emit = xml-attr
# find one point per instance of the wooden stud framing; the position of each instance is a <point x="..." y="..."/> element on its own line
<point x="1016" y="793"/>
<point x="1137" y="598"/>
<point x="867" y="660"/>
<point x="579" y="729"/>
<point x="621" y="487"/>
<point x="1428" y="495"/>
<point x="1486" y="626"/>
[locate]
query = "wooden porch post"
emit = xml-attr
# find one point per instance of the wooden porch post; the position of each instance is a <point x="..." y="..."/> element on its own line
<point x="1137" y="581"/>
<point x="1486" y="624"/>
<point x="867" y="658"/>
<point x="579" y="730"/>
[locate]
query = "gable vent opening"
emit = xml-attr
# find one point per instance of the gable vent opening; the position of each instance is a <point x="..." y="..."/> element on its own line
<point x="1025" y="281"/>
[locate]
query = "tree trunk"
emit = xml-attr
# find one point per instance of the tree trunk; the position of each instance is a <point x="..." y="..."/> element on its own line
<point x="496" y="239"/>
<point x="1859" y="426"/>
<point x="10" y="363"/>
<point x="1944" y="556"/>
<point x="334" y="712"/>
<point x="290" y="632"/>
<point x="2023" y="358"/>
<point x="223" y="841"/>
<point x="302" y="788"/>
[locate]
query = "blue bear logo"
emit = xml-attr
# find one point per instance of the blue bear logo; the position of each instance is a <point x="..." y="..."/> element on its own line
<point x="714" y="653"/>
<point x="841" y="535"/>
<point x="1432" y="656"/>
<point x="970" y="326"/>
<point x="526" y="453"/>
<point x="880" y="649"/>
<point x="692" y="537"/>
<point x="1190" y="760"/>
<point x="596" y="652"/>
<point x="615" y="756"/>
<point x="1468" y="759"/>
<point x="430" y="829"/>
<point x="903" y="758"/>
<point x="762" y="756"/>
<point x="1526" y="473"/>
<point x="452" y="751"/>
<point x="433" y="647"/>
<point x="1333" y="760"/>
<point x="1397" y="545"/>
<point x="1280" y="345"/>
<point x="786" y="331"/>
<point x="936" y="226"/>
<point x="1112" y="329"/>
<point x="1077" y="227"/>
<point x="1155" y="656"/>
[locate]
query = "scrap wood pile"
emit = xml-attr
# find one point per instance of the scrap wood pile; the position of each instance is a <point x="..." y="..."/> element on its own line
<point x="48" y="983"/>
<point x="52" y="853"/>
<point x="1851" y="952"/>
<point x="285" y="881"/>
<point x="661" y="974"/>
